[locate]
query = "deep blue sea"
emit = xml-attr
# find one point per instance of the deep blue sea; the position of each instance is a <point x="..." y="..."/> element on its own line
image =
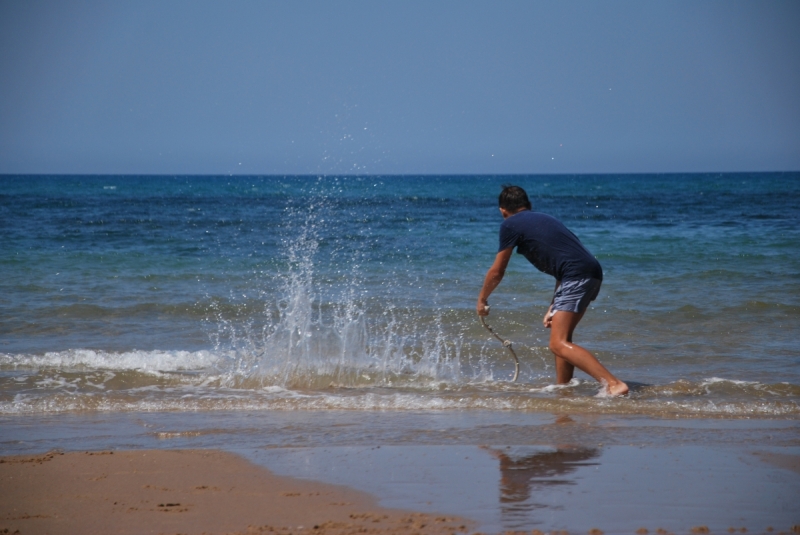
<point x="214" y="293"/>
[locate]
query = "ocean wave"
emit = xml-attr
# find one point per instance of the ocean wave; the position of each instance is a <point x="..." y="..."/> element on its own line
<point x="723" y="388"/>
<point x="292" y="401"/>
<point x="61" y="392"/>
<point x="88" y="360"/>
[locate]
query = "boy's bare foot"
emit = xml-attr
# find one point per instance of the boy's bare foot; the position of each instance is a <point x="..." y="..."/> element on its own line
<point x="617" y="389"/>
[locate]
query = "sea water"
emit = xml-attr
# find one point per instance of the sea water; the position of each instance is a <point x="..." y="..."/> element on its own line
<point x="212" y="294"/>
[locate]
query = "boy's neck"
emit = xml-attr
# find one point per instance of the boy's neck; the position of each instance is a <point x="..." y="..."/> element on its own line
<point x="506" y="214"/>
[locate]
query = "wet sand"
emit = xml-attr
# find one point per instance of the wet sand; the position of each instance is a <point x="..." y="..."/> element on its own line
<point x="186" y="492"/>
<point x="569" y="488"/>
<point x="501" y="472"/>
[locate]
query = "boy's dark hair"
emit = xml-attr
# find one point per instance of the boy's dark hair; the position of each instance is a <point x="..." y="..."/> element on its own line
<point x="513" y="198"/>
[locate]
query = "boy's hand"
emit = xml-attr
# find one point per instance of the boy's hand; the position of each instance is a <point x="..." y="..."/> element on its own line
<point x="482" y="308"/>
<point x="548" y="318"/>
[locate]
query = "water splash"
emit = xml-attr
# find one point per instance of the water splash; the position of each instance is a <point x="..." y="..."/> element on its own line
<point x="318" y="328"/>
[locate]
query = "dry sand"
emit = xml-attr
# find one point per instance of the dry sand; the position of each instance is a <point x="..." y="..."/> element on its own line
<point x="186" y="492"/>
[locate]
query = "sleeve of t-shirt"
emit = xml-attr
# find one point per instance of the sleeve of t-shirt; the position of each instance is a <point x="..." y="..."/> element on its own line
<point x="508" y="237"/>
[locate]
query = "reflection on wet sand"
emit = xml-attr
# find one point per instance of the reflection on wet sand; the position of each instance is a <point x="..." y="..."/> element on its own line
<point x="528" y="470"/>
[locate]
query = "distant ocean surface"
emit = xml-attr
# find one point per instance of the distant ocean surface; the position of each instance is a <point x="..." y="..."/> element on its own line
<point x="199" y="293"/>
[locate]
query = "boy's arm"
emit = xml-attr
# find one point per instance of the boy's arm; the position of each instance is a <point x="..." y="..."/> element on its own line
<point x="493" y="278"/>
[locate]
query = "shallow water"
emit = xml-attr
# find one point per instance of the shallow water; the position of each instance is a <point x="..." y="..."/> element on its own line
<point x="617" y="489"/>
<point x="357" y="293"/>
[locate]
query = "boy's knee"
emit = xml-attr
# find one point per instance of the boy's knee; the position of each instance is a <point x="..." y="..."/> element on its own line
<point x="556" y="345"/>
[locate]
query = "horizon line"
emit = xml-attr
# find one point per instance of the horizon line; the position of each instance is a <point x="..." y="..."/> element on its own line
<point x="441" y="175"/>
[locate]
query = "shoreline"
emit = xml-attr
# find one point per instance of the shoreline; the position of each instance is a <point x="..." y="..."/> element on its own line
<point x="496" y="471"/>
<point x="187" y="492"/>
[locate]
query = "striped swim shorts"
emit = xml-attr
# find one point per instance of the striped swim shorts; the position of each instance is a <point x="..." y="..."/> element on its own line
<point x="575" y="295"/>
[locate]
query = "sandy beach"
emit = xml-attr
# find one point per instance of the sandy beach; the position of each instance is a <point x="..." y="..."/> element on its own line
<point x="186" y="492"/>
<point x="216" y="473"/>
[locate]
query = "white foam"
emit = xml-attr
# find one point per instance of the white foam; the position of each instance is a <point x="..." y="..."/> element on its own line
<point x="192" y="399"/>
<point x="714" y="380"/>
<point x="87" y="359"/>
<point x="555" y="387"/>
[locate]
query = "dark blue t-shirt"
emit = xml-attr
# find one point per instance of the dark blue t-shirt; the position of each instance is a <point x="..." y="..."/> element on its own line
<point x="549" y="245"/>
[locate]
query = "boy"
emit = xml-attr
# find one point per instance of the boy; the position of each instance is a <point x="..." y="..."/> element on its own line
<point x="552" y="249"/>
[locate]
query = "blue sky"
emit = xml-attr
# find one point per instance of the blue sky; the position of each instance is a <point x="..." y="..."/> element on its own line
<point x="394" y="87"/>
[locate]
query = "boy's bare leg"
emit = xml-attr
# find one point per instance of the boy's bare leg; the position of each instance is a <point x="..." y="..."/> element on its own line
<point x="564" y="370"/>
<point x="570" y="355"/>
